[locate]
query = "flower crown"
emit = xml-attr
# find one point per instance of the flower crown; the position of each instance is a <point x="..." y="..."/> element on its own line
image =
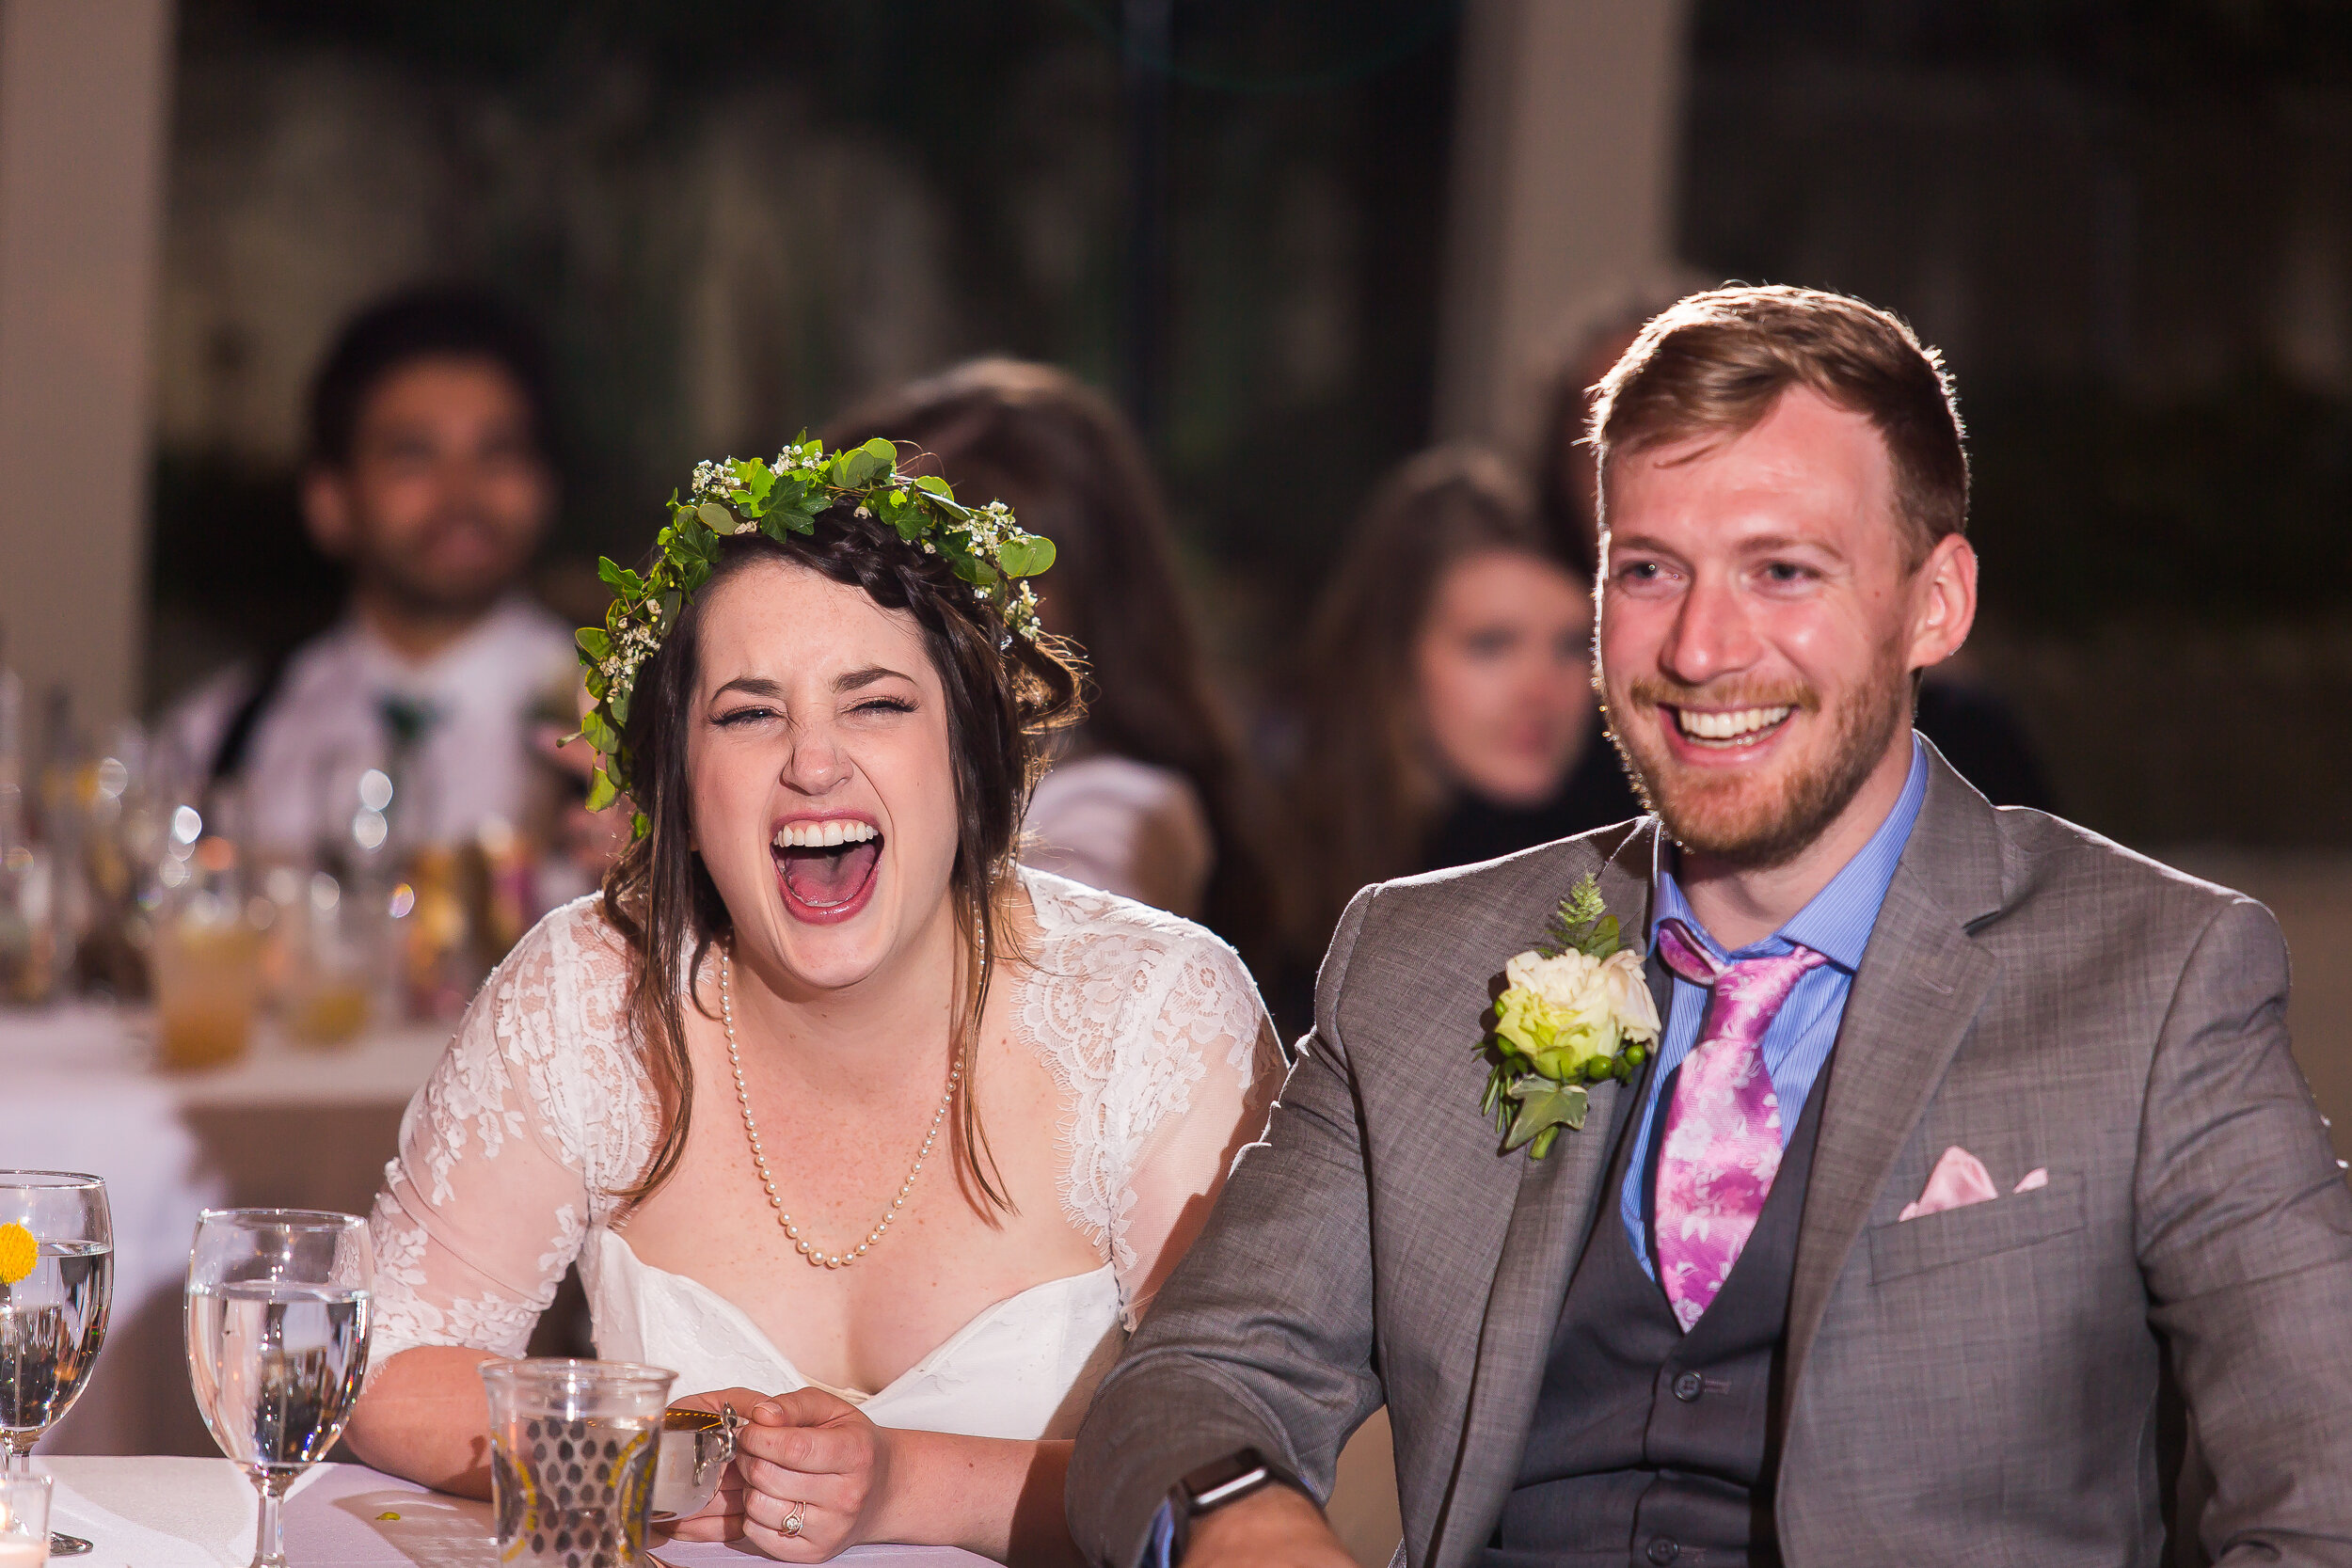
<point x="981" y="544"/>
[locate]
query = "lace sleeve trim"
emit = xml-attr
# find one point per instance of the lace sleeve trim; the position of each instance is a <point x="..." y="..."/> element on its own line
<point x="545" y="1054"/>
<point x="1127" y="1006"/>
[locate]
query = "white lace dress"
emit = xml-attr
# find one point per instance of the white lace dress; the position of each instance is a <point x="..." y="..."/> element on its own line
<point x="541" y="1111"/>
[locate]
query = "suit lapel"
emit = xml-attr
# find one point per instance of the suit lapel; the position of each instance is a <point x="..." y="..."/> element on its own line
<point x="1920" y="985"/>
<point x="1551" y="1212"/>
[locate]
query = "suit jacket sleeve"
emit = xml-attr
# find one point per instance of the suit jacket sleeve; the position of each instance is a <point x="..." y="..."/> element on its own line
<point x="1263" y="1336"/>
<point x="2245" y="1237"/>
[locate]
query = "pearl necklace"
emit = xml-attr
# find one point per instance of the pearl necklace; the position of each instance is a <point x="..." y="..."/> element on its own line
<point x="760" y="1158"/>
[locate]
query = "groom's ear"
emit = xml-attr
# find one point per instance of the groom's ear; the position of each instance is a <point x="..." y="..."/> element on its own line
<point x="1943" y="601"/>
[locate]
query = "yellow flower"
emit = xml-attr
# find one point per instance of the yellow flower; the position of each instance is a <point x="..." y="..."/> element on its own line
<point x="19" y="1252"/>
<point x="1557" y="1041"/>
<point x="1562" y="1011"/>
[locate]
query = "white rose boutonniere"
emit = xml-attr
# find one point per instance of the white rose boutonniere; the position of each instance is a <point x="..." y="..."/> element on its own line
<point x="1574" y="1011"/>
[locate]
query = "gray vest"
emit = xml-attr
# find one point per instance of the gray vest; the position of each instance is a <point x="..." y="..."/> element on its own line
<point x="1649" y="1445"/>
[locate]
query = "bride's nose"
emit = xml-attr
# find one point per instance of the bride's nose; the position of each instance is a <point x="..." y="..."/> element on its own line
<point x="816" y="763"/>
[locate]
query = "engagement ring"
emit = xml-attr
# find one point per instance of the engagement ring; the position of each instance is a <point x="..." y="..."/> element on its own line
<point x="792" y="1520"/>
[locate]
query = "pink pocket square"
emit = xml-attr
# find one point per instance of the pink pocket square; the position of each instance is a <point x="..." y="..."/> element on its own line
<point x="2038" y="1177"/>
<point x="1959" y="1179"/>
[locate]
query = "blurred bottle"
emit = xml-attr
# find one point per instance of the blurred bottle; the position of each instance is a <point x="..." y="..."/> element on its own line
<point x="125" y="829"/>
<point x="28" y="927"/>
<point x="207" y="956"/>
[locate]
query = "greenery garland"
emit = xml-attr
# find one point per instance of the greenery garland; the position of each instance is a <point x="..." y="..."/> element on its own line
<point x="981" y="544"/>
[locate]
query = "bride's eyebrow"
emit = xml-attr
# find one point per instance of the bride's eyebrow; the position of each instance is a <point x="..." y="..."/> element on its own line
<point x="857" y="679"/>
<point x="751" y="685"/>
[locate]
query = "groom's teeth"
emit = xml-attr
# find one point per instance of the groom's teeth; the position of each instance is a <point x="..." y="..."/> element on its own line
<point x="1735" y="726"/>
<point x="824" y="835"/>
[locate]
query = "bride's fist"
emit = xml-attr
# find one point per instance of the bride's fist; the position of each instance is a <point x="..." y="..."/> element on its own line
<point x="814" y="1472"/>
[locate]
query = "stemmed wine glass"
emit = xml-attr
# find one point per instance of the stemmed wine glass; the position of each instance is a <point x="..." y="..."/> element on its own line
<point x="277" y="1318"/>
<point x="57" y="1280"/>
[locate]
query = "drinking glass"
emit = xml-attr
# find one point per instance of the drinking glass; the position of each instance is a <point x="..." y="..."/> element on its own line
<point x="572" y="1451"/>
<point x="24" y="1521"/>
<point x="57" y="1279"/>
<point x="206" y="962"/>
<point x="277" y="1318"/>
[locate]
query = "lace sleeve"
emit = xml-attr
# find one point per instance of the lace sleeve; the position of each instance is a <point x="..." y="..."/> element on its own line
<point x="497" y="1179"/>
<point x="1213" y="1069"/>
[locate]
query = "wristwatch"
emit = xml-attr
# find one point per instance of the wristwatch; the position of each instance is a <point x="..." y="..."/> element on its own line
<point x="1216" y="1483"/>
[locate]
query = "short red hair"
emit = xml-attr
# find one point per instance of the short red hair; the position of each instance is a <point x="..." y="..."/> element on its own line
<point x="1715" y="363"/>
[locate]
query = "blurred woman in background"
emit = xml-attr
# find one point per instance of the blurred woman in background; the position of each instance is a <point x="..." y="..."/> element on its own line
<point x="1448" y="712"/>
<point x="1151" y="799"/>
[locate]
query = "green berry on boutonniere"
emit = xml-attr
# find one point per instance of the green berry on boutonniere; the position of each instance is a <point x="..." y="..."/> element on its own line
<point x="1574" y="1011"/>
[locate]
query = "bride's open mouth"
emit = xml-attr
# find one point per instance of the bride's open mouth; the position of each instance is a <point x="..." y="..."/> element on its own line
<point x="827" y="866"/>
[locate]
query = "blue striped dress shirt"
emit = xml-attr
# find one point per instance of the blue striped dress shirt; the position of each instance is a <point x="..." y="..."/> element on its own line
<point x="1836" y="925"/>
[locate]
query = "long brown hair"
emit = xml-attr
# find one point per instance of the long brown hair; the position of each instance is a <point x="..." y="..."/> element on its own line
<point x="1004" y="696"/>
<point x="1367" y="790"/>
<point x="1072" y="468"/>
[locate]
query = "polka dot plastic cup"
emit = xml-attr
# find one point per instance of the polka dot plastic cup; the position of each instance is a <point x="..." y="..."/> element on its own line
<point x="572" y="1452"/>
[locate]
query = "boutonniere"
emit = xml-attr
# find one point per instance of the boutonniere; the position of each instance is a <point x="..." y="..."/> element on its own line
<point x="1574" y="1011"/>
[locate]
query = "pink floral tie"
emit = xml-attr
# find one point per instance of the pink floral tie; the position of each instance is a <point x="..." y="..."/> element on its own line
<point x="1721" y="1146"/>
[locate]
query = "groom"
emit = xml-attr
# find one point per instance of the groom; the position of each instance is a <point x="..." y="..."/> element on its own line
<point x="1992" y="1123"/>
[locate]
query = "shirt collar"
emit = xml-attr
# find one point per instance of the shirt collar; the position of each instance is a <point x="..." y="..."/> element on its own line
<point x="1836" y="922"/>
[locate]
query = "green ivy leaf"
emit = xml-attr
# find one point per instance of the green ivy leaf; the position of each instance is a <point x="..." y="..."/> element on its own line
<point x="1544" y="1104"/>
<point x="936" y="486"/>
<point x="618" y="703"/>
<point x="1025" y="557"/>
<point x="640" y="825"/>
<point x="595" y="642"/>
<point x="758" y="480"/>
<point x="861" y="466"/>
<point x="599" y="734"/>
<point x="601" y="792"/>
<point x="618" y="577"/>
<point x="715" y="517"/>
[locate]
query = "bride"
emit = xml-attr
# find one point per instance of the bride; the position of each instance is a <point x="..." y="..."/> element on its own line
<point x="847" y="1119"/>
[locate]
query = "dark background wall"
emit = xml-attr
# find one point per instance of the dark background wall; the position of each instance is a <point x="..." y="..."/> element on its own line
<point x="2128" y="226"/>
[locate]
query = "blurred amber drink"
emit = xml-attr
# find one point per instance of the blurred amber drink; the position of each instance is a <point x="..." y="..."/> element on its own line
<point x="208" y="984"/>
<point x="326" y="1009"/>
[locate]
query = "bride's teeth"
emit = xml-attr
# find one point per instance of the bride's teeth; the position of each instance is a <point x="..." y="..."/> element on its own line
<point x="824" y="835"/>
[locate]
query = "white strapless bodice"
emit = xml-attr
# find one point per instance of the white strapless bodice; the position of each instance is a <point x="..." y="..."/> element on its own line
<point x="516" y="1157"/>
<point x="1024" y="1367"/>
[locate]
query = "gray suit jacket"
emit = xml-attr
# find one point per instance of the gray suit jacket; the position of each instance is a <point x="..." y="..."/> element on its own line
<point x="1974" y="1387"/>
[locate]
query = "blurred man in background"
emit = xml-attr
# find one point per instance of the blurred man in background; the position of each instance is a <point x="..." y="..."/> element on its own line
<point x="429" y="475"/>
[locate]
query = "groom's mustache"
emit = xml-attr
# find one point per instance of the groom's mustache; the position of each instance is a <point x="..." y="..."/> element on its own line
<point x="1651" y="691"/>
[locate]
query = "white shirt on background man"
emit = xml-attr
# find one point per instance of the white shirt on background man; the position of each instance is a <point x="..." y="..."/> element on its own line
<point x="325" y="725"/>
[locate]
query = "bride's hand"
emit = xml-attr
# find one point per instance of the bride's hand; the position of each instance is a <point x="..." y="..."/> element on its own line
<point x="722" y="1519"/>
<point x="810" y="1456"/>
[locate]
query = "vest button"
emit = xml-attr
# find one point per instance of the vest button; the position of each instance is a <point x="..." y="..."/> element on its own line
<point x="1689" y="1386"/>
<point x="1662" y="1550"/>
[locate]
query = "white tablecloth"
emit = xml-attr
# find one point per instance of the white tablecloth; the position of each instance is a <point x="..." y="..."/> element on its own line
<point x="285" y="1126"/>
<point x="160" y="1512"/>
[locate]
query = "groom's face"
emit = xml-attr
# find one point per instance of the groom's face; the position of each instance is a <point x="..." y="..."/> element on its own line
<point x="1762" y="610"/>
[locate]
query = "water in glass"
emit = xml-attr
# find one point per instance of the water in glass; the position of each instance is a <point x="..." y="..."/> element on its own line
<point x="56" y="1281"/>
<point x="279" y="1308"/>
